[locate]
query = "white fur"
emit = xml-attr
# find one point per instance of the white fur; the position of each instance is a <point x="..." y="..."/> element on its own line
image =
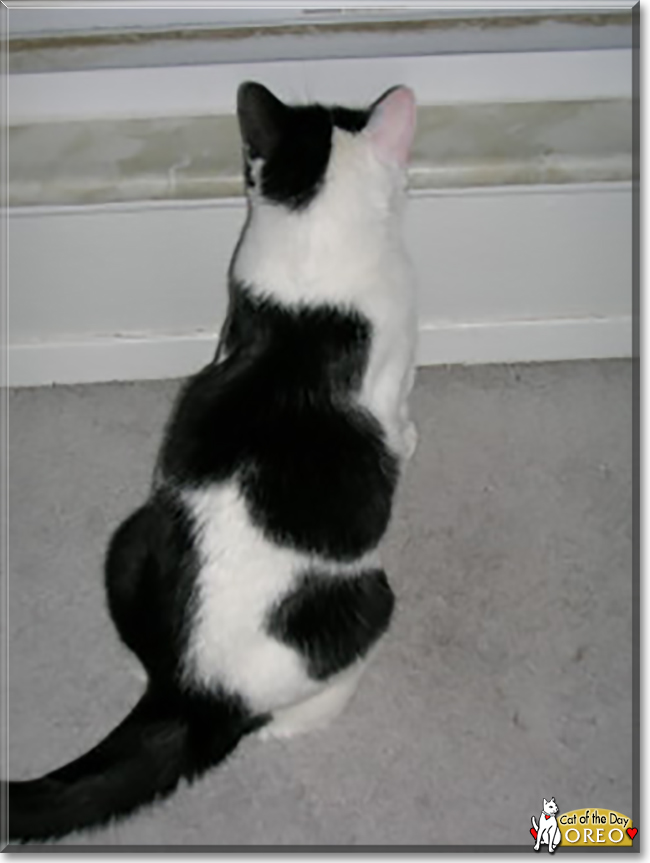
<point x="548" y="833"/>
<point x="346" y="249"/>
<point x="319" y="710"/>
<point x="242" y="577"/>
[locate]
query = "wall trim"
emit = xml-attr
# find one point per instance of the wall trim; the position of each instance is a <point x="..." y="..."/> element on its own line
<point x="186" y="91"/>
<point x="159" y="356"/>
<point x="556" y="143"/>
<point x="504" y="275"/>
<point x="88" y="24"/>
<point x="525" y="341"/>
<point x="98" y="359"/>
<point x="144" y="206"/>
<point x="309" y="35"/>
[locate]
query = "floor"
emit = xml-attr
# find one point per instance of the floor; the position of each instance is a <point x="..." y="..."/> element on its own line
<point x="506" y="677"/>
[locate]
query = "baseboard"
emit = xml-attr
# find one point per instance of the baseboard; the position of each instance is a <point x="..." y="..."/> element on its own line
<point x="525" y="341"/>
<point x="543" y="273"/>
<point x="103" y="359"/>
<point x="174" y="356"/>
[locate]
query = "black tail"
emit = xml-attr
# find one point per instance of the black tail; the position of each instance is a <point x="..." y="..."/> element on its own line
<point x="162" y="740"/>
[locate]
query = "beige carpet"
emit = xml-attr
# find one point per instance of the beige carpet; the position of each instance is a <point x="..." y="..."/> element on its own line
<point x="506" y="677"/>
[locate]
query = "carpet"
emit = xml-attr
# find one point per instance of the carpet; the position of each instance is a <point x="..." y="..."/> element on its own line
<point x="506" y="676"/>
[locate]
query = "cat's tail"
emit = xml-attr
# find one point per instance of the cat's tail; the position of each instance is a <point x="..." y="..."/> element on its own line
<point x="163" y="740"/>
<point x="532" y="818"/>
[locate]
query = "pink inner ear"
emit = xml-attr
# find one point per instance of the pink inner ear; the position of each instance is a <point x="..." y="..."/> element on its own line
<point x="392" y="126"/>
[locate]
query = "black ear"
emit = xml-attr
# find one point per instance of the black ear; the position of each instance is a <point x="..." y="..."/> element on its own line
<point x="261" y="119"/>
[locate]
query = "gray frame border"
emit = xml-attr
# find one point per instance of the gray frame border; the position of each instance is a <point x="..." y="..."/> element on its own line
<point x="4" y="421"/>
<point x="636" y="415"/>
<point x="636" y="533"/>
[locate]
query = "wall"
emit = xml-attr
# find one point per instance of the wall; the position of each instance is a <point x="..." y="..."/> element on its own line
<point x="507" y="271"/>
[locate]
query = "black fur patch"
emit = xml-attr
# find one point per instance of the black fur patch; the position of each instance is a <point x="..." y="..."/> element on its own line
<point x="295" y="171"/>
<point x="294" y="168"/>
<point x="334" y="620"/>
<point x="350" y="119"/>
<point x="150" y="572"/>
<point x="278" y="412"/>
<point x="294" y="142"/>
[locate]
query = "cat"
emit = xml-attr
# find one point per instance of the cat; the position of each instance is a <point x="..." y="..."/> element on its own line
<point x="548" y="833"/>
<point x="249" y="584"/>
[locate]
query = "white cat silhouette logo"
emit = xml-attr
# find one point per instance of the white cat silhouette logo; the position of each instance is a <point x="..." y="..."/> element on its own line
<point x="548" y="833"/>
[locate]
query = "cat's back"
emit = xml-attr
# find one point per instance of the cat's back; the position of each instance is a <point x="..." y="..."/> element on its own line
<point x="278" y="417"/>
<point x="279" y="471"/>
<point x="279" y="448"/>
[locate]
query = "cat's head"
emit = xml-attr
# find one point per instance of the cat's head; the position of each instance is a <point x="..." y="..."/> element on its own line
<point x="550" y="806"/>
<point x="293" y="154"/>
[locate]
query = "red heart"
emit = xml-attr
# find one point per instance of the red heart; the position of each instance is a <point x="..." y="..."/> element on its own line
<point x="534" y="832"/>
<point x="631" y="832"/>
<point x="547" y="817"/>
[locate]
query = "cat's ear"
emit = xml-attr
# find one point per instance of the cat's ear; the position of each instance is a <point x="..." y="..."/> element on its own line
<point x="392" y="125"/>
<point x="545" y="802"/>
<point x="261" y="119"/>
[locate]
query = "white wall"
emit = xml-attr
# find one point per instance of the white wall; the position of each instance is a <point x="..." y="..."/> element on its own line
<point x="526" y="273"/>
<point x="122" y="293"/>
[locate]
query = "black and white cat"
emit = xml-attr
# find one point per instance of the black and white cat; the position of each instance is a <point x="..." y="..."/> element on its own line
<point x="249" y="584"/>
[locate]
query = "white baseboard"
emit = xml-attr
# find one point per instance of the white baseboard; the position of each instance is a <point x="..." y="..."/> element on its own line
<point x="102" y="359"/>
<point x="525" y="341"/>
<point x="541" y="274"/>
<point x="158" y="357"/>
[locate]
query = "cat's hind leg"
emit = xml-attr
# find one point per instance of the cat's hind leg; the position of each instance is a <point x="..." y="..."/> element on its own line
<point x="332" y="622"/>
<point x="319" y="710"/>
<point x="127" y="573"/>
